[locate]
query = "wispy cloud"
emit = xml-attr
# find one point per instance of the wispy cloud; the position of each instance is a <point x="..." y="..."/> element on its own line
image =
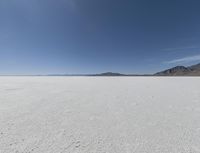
<point x="184" y="60"/>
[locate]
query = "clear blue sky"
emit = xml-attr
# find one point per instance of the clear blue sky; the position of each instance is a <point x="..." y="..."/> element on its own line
<point x="93" y="36"/>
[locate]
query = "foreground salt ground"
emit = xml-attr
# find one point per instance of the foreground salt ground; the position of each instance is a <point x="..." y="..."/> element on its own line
<point x="99" y="115"/>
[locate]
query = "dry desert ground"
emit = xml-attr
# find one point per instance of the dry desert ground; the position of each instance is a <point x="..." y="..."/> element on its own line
<point x="99" y="115"/>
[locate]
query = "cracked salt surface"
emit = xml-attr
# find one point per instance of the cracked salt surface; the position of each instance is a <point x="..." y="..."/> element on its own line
<point x="99" y="114"/>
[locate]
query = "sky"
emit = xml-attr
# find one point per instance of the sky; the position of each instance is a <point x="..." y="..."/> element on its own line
<point x="94" y="36"/>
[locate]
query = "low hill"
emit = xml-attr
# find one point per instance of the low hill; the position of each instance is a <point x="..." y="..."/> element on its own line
<point x="109" y="74"/>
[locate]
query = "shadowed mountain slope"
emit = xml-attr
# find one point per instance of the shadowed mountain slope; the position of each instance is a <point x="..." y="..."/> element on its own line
<point x="193" y="70"/>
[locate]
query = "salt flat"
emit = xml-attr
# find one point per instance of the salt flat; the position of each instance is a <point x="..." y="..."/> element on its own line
<point x="99" y="115"/>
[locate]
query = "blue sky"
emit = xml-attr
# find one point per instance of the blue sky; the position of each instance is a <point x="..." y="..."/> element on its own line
<point x="93" y="36"/>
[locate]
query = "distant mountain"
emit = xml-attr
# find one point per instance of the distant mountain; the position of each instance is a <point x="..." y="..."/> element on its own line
<point x="178" y="70"/>
<point x="193" y="70"/>
<point x="195" y="67"/>
<point x="108" y="74"/>
<point x="118" y="74"/>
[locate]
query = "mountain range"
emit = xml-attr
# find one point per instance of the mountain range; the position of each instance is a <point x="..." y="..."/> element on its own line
<point x="193" y="70"/>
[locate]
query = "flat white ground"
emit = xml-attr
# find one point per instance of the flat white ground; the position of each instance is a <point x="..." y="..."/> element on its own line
<point x="99" y="115"/>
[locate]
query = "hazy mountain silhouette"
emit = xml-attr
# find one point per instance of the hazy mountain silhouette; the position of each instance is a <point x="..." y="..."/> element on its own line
<point x="193" y="70"/>
<point x="109" y="74"/>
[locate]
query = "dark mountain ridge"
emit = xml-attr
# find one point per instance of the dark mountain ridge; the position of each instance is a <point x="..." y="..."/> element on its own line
<point x="193" y="70"/>
<point x="108" y="74"/>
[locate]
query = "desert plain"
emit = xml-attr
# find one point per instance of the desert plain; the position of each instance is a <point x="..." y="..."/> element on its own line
<point x="99" y="114"/>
